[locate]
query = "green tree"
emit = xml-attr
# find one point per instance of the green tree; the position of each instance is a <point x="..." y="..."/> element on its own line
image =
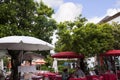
<point x="64" y="38"/>
<point x="116" y="33"/>
<point x="44" y="24"/>
<point x="25" y="17"/>
<point x="65" y="32"/>
<point x="93" y="39"/>
<point x="89" y="39"/>
<point x="65" y="35"/>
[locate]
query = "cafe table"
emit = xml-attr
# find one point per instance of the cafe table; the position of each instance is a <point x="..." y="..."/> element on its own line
<point x="58" y="77"/>
<point x="109" y="76"/>
<point x="37" y="78"/>
<point x="50" y="76"/>
<point x="84" y="78"/>
<point x="93" y="77"/>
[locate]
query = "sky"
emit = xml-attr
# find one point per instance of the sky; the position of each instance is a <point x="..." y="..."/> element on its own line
<point x="93" y="10"/>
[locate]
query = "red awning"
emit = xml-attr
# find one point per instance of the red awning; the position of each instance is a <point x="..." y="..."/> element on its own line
<point x="67" y="54"/>
<point x="111" y="53"/>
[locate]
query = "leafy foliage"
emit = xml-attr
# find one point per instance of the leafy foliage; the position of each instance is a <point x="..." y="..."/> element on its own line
<point x="93" y="39"/>
<point x="116" y="33"/>
<point x="25" y="17"/>
<point x="89" y="39"/>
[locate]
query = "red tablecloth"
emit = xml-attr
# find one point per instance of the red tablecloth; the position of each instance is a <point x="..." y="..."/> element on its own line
<point x="51" y="76"/>
<point x="78" y="78"/>
<point x="109" y="77"/>
<point x="93" y="77"/>
<point x="58" y="77"/>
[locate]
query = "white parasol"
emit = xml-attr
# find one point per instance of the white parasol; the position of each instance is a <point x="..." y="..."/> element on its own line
<point x="31" y="56"/>
<point x="24" y="43"/>
<point x="39" y="61"/>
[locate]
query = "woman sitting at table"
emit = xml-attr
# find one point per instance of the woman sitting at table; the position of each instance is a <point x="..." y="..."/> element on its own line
<point x="79" y="73"/>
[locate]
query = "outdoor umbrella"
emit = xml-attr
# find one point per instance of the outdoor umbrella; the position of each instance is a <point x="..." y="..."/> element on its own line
<point x="39" y="61"/>
<point x="111" y="53"/>
<point x="67" y="54"/>
<point x="24" y="43"/>
<point x="14" y="44"/>
<point x="31" y="56"/>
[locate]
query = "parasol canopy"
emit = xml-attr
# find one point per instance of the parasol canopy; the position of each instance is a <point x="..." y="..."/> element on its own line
<point x="111" y="53"/>
<point x="31" y="55"/>
<point x="67" y="54"/>
<point x="39" y="61"/>
<point x="24" y="43"/>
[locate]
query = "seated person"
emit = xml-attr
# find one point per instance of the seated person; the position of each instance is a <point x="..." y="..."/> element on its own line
<point x="65" y="74"/>
<point x="2" y="75"/>
<point x="96" y="70"/>
<point x="79" y="73"/>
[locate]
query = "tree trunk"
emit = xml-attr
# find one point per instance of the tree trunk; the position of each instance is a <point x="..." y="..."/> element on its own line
<point x="14" y="74"/>
<point x="15" y="62"/>
<point x="82" y="64"/>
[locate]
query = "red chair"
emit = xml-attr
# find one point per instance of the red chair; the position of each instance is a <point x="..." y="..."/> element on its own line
<point x="101" y="78"/>
<point x="58" y="78"/>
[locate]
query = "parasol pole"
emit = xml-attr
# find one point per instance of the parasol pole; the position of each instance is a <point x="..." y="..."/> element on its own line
<point x="115" y="69"/>
<point x="20" y="60"/>
<point x="21" y="56"/>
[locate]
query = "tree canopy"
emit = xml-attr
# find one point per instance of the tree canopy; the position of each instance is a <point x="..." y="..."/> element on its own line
<point x="116" y="34"/>
<point x="25" y="17"/>
<point x="93" y="39"/>
<point x="86" y="38"/>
